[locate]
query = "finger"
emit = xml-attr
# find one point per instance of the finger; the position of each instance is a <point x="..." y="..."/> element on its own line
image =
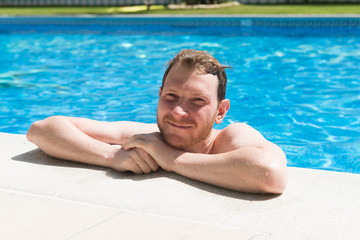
<point x="153" y="164"/>
<point x="135" y="169"/>
<point x="141" y="161"/>
<point x="125" y="145"/>
<point x="149" y="160"/>
<point x="129" y="163"/>
<point x="136" y="141"/>
<point x="145" y="168"/>
<point x="131" y="143"/>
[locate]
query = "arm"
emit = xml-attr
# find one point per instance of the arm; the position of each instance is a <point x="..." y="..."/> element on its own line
<point x="88" y="141"/>
<point x="244" y="160"/>
<point x="247" y="169"/>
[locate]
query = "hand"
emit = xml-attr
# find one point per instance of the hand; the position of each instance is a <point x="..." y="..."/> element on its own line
<point x="153" y="143"/>
<point x="135" y="160"/>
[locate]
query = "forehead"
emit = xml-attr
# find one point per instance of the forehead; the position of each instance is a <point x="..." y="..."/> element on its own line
<point x="182" y="78"/>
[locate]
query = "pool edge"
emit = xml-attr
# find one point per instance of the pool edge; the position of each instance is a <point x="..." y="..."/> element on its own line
<point x="317" y="204"/>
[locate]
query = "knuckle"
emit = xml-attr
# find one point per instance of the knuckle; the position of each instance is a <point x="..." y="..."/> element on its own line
<point x="136" y="169"/>
<point x="155" y="168"/>
<point x="138" y="172"/>
<point x="127" y="165"/>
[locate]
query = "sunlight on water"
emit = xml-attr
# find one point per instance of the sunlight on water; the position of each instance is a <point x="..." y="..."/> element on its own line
<point x="302" y="92"/>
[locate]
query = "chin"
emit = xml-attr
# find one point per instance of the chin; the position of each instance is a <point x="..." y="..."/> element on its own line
<point x="175" y="142"/>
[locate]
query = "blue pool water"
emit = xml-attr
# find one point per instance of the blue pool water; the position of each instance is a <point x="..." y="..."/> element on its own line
<point x="299" y="87"/>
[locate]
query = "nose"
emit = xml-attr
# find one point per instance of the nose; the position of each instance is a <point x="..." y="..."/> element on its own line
<point x="179" y="111"/>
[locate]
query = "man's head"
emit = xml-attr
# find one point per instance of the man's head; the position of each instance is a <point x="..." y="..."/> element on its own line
<point x="189" y="99"/>
<point x="202" y="62"/>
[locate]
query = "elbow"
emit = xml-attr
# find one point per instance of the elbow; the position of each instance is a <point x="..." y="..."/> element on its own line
<point x="39" y="129"/>
<point x="34" y="131"/>
<point x="275" y="181"/>
<point x="275" y="177"/>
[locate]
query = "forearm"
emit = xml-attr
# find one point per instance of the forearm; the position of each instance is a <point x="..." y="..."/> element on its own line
<point x="58" y="137"/>
<point x="241" y="170"/>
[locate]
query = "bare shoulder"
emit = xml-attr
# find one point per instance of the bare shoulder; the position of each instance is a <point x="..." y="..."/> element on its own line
<point x="238" y="135"/>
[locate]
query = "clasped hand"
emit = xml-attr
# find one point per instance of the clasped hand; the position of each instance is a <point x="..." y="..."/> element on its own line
<point x="145" y="153"/>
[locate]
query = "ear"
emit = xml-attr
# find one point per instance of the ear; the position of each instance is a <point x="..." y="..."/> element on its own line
<point x="160" y="90"/>
<point x="224" y="106"/>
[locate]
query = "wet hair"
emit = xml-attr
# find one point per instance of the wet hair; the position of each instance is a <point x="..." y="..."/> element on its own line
<point x="203" y="62"/>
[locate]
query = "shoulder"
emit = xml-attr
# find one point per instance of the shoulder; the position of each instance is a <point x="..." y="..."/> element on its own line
<point x="238" y="135"/>
<point x="239" y="128"/>
<point x="241" y="132"/>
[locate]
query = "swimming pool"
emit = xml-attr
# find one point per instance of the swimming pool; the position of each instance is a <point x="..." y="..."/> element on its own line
<point x="296" y="80"/>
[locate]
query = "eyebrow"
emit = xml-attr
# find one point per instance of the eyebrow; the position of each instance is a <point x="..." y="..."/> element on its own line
<point x="195" y="93"/>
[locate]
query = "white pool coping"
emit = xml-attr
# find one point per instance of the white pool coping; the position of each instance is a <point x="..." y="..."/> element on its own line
<point x="84" y="202"/>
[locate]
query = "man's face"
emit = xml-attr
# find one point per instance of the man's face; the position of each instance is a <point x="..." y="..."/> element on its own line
<point x="187" y="107"/>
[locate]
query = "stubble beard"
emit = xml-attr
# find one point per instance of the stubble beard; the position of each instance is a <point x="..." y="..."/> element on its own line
<point x="168" y="137"/>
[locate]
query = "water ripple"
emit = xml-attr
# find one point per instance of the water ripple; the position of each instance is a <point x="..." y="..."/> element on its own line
<point x="301" y="92"/>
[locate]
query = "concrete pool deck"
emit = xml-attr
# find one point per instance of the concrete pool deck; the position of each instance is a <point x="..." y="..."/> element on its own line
<point x="46" y="198"/>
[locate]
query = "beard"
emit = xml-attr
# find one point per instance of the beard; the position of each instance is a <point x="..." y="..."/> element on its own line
<point x="187" y="139"/>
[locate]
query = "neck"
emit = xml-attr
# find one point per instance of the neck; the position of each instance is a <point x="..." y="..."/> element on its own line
<point x="205" y="146"/>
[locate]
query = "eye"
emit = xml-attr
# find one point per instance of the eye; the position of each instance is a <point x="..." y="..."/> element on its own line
<point x="171" y="96"/>
<point x="198" y="101"/>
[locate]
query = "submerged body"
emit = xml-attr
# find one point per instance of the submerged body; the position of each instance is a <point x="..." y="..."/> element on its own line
<point x="183" y="140"/>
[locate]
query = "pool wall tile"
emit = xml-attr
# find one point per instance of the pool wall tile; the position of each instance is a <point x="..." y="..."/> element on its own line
<point x="213" y="25"/>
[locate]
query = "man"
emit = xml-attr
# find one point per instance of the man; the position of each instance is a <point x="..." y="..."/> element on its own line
<point x="191" y="99"/>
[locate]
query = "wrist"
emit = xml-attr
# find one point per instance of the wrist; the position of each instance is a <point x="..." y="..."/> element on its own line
<point x="110" y="156"/>
<point x="177" y="163"/>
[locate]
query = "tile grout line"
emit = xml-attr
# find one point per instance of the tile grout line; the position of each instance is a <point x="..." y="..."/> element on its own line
<point x="219" y="221"/>
<point x="6" y="195"/>
<point x="90" y="227"/>
<point x="73" y="186"/>
<point x="56" y="198"/>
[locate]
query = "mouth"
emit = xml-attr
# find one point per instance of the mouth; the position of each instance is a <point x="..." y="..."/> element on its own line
<point x="179" y="126"/>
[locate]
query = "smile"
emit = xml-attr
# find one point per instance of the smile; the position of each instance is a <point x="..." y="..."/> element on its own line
<point x="179" y="126"/>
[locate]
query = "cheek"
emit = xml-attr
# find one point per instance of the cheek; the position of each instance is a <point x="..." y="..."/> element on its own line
<point x="161" y="109"/>
<point x="165" y="107"/>
<point x="206" y="114"/>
